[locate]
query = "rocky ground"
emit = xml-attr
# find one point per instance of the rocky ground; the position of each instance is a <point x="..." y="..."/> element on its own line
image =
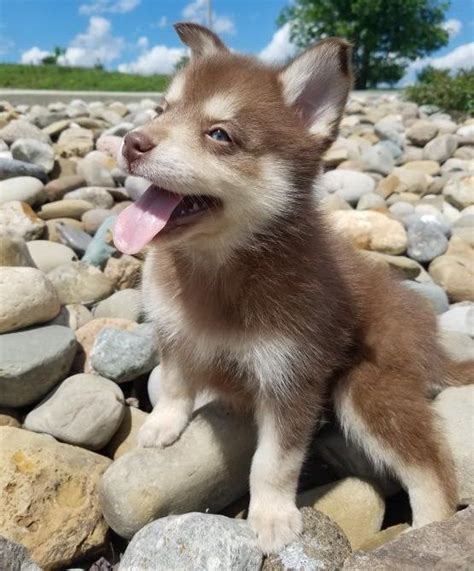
<point x="79" y="372"/>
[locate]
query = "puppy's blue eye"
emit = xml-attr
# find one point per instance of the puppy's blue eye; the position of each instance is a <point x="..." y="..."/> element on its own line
<point x="219" y="135"/>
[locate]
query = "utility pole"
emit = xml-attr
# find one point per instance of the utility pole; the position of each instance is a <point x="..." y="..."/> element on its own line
<point x="209" y="14"/>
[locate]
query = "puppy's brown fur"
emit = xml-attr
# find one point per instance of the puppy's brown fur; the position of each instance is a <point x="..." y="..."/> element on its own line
<point x="264" y="303"/>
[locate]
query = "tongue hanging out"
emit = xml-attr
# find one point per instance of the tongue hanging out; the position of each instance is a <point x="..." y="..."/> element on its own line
<point x="154" y="211"/>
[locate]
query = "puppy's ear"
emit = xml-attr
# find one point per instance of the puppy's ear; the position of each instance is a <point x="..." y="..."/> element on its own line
<point x="201" y="40"/>
<point x="316" y="84"/>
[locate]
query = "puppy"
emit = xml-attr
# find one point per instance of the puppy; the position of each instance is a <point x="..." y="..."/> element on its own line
<point x="255" y="297"/>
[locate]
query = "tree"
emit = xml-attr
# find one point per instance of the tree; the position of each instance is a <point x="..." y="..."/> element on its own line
<point x="52" y="59"/>
<point x="386" y="34"/>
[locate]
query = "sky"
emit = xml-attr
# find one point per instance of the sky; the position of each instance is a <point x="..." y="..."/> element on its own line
<point x="136" y="36"/>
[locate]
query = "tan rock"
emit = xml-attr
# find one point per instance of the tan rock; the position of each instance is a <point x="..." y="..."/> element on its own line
<point x="56" y="189"/>
<point x="14" y="251"/>
<point x="384" y="536"/>
<point x="124" y="272"/>
<point x="355" y="505"/>
<point x="73" y="315"/>
<point x="389" y="185"/>
<point x="75" y="141"/>
<point x="49" y="497"/>
<point x="333" y="202"/>
<point x="455" y="273"/>
<point x="9" y="417"/>
<point x="125" y="439"/>
<point x="19" y="218"/>
<point x="431" y="168"/>
<point x="405" y="267"/>
<point x="459" y="191"/>
<point x="52" y="233"/>
<point x="64" y="209"/>
<point x="414" y="180"/>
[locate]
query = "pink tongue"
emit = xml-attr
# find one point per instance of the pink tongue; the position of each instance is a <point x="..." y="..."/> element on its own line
<point x="138" y="224"/>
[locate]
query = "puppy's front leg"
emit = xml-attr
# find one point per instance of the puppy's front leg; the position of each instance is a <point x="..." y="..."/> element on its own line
<point x="276" y="466"/>
<point x="173" y="409"/>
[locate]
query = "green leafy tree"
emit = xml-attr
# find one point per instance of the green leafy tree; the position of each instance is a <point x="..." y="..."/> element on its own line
<point x="386" y="34"/>
<point x="52" y="59"/>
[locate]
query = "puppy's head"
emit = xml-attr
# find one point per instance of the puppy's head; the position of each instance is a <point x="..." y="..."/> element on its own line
<point x="234" y="146"/>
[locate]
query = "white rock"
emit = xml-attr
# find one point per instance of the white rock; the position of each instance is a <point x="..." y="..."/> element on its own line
<point x="349" y="185"/>
<point x="23" y="188"/>
<point x="48" y="255"/>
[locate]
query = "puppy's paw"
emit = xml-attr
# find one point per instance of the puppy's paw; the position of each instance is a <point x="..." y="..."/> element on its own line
<point x="162" y="430"/>
<point x="275" y="524"/>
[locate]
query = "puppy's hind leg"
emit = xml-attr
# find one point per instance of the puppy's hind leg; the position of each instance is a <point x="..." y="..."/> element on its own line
<point x="392" y="420"/>
<point x="173" y="409"/>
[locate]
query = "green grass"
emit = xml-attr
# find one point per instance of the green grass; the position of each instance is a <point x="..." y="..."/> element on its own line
<point x="18" y="76"/>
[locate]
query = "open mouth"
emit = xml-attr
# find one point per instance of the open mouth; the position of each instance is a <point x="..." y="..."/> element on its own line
<point x="159" y="211"/>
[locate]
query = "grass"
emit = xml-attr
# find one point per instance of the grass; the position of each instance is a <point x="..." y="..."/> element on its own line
<point x="18" y="76"/>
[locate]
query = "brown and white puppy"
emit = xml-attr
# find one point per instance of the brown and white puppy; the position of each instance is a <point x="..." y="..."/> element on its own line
<point x="255" y="297"/>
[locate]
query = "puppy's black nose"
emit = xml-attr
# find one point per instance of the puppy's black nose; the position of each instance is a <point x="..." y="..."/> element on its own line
<point x="136" y="144"/>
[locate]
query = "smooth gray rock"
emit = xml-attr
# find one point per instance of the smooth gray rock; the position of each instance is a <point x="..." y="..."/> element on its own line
<point x="21" y="129"/>
<point x="77" y="282"/>
<point x="193" y="541"/>
<point x="35" y="152"/>
<point x="434" y="293"/>
<point x="378" y="159"/>
<point x="32" y="362"/>
<point x="123" y="355"/>
<point x="459" y="346"/>
<point x="349" y="185"/>
<point x="440" y="546"/>
<point x="425" y="241"/>
<point x="125" y="303"/>
<point x="84" y="410"/>
<point x="209" y="464"/>
<point x="23" y="188"/>
<point x="459" y="317"/>
<point x="96" y="195"/>
<point x="10" y="168"/>
<point x="321" y="546"/>
<point x="15" y="557"/>
<point x="74" y="238"/>
<point x="440" y="148"/>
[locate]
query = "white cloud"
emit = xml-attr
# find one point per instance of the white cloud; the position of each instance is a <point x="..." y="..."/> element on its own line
<point x="33" y="56"/>
<point x="142" y="42"/>
<point x="280" y="48"/>
<point x="162" y="23"/>
<point x="111" y="6"/>
<point x="453" y="27"/>
<point x="196" y="11"/>
<point x="460" y="57"/>
<point x="159" y="59"/>
<point x="97" y="44"/>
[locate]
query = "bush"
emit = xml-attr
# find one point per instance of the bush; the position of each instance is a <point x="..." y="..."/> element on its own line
<point x="449" y="92"/>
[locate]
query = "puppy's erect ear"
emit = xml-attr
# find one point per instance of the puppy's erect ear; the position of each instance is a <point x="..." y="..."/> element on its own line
<point x="201" y="40"/>
<point x="317" y="84"/>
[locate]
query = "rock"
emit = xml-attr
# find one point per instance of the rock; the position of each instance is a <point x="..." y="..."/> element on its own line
<point x="322" y="545"/>
<point x="349" y="185"/>
<point x="332" y="202"/>
<point x="34" y="151"/>
<point x="378" y="159"/>
<point x="459" y="191"/>
<point x="74" y="238"/>
<point x="10" y="168"/>
<point x="153" y="385"/>
<point x="123" y="272"/>
<point x="84" y="410"/>
<point x="32" y="362"/>
<point x="355" y="505"/>
<point x="455" y="274"/>
<point x="123" y="355"/>
<point x="384" y="536"/>
<point x="371" y="230"/>
<point x="51" y="506"/>
<point x="55" y="224"/>
<point x="459" y="346"/>
<point x="125" y="439"/>
<point x="64" y="209"/>
<point x="87" y="334"/>
<point x="75" y="141"/>
<point x="214" y="452"/>
<point x="432" y="292"/>
<point x="95" y="195"/>
<point x="401" y="265"/>
<point x="23" y="188"/>
<point x="56" y="189"/>
<point x="8" y="417"/>
<point x="14" y="252"/>
<point x="77" y="282"/>
<point x="371" y="201"/>
<point x="48" y="255"/>
<point x="27" y="297"/>
<point x="459" y="317"/>
<point x="73" y="315"/>
<point x="56" y="127"/>
<point x="455" y="406"/>
<point x="193" y="541"/>
<point x="440" y="149"/>
<point x="21" y="129"/>
<point x="447" y="546"/>
<point x="125" y="303"/>
<point x="464" y="228"/>
<point x="96" y="169"/>
<point x="18" y="218"/>
<point x="389" y="185"/>
<point x="425" y="242"/>
<point x="430" y="168"/>
<point x="136" y="186"/>
<point x="92" y="219"/>
<point x="412" y="180"/>
<point x="15" y="557"/>
<point x="99" y="249"/>
<point x="421" y="132"/>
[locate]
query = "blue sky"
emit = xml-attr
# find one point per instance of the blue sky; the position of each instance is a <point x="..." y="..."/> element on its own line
<point x="137" y="36"/>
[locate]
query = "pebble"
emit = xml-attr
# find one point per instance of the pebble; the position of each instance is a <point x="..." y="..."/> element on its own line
<point x="48" y="255"/>
<point x="455" y="274"/>
<point x="459" y="346"/>
<point x="136" y="186"/>
<point x="459" y="317"/>
<point x="8" y="417"/>
<point x="214" y="452"/>
<point x="77" y="282"/>
<point x="64" y="209"/>
<point x="378" y="159"/>
<point x="92" y="219"/>
<point x="123" y="355"/>
<point x="459" y="191"/>
<point x="193" y="541"/>
<point x="95" y="195"/>
<point x="24" y="189"/>
<point x="123" y="272"/>
<point x="96" y="169"/>
<point x="34" y="151"/>
<point x="10" y="168"/>
<point x="18" y="218"/>
<point x="349" y="185"/>
<point x="14" y="251"/>
<point x="431" y="292"/>
<point x="440" y="148"/>
<point x="421" y="132"/>
<point x="125" y="303"/>
<point x="75" y="238"/>
<point x="15" y="557"/>
<point x="99" y="249"/>
<point x="430" y="168"/>
<point x="21" y="129"/>
<point x="73" y="315"/>
<point x="84" y="410"/>
<point x="322" y="545"/>
<point x="27" y="297"/>
<point x="52" y="505"/>
<point x="425" y="241"/>
<point x="32" y="362"/>
<point x="54" y="225"/>
<point x="56" y="189"/>
<point x="125" y="438"/>
<point x="75" y="142"/>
